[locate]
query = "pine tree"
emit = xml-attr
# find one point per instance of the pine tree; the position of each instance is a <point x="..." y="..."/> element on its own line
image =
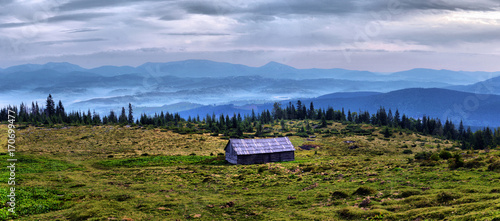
<point x="323" y="122"/>
<point x="50" y="106"/>
<point x="461" y="131"/>
<point x="112" y="117"/>
<point x="312" y="112"/>
<point x="396" y="118"/>
<point x="123" y="117"/>
<point x="390" y="118"/>
<point x="130" y="116"/>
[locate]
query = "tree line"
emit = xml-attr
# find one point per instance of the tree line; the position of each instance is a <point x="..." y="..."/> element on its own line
<point x="236" y="125"/>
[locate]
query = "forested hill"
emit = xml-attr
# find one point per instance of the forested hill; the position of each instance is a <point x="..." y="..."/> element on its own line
<point x="241" y="126"/>
<point x="473" y="109"/>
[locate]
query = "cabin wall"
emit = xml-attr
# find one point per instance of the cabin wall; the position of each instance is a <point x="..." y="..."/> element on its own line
<point x="266" y="158"/>
<point x="231" y="156"/>
<point x="287" y="156"/>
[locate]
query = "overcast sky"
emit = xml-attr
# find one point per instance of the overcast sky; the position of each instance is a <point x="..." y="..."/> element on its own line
<point x="385" y="35"/>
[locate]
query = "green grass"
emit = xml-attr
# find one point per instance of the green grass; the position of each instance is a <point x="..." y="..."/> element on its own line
<point x="107" y="177"/>
<point x="162" y="161"/>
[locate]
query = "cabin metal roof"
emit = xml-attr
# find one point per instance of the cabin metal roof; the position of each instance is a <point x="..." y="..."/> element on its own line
<point x="261" y="146"/>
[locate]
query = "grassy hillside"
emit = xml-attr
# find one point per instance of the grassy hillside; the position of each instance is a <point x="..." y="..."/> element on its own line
<point x="133" y="173"/>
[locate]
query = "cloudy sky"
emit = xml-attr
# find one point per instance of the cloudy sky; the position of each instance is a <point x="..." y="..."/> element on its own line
<point x="376" y="35"/>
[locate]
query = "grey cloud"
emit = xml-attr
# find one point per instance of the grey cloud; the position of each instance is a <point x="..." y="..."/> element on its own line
<point x="449" y="5"/>
<point x="81" y="30"/>
<point x="209" y="7"/>
<point x="58" y="18"/>
<point x="69" y="41"/>
<point x="264" y="11"/>
<point x="13" y="25"/>
<point x="196" y="34"/>
<point x="269" y="8"/>
<point x="77" y="17"/>
<point x="306" y="7"/>
<point x="446" y="36"/>
<point x="5" y="2"/>
<point x="256" y="18"/>
<point x="90" y="4"/>
<point x="171" y="17"/>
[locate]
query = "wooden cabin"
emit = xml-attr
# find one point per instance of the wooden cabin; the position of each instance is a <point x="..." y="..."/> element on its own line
<point x="252" y="151"/>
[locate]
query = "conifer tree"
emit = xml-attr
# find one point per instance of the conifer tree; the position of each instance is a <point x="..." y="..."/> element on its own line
<point x="50" y="106"/>
<point x="123" y="117"/>
<point x="130" y="116"/>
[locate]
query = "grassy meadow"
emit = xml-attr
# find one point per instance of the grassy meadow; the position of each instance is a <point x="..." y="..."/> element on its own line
<point x="135" y="173"/>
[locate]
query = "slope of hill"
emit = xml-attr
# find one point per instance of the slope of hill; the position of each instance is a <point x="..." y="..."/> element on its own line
<point x="195" y="68"/>
<point x="113" y="70"/>
<point x="472" y="109"/>
<point x="61" y="67"/>
<point x="421" y="74"/>
<point x="117" y="172"/>
<point x="490" y="86"/>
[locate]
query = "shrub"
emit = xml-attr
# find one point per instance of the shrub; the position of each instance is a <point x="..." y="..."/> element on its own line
<point x="261" y="169"/>
<point x="302" y="134"/>
<point x="387" y="132"/>
<point x="445" y="155"/>
<point x="456" y="162"/>
<point x="478" y="162"/>
<point x="339" y="195"/>
<point x="411" y="160"/>
<point x="408" y="193"/>
<point x="495" y="166"/>
<point x="434" y="157"/>
<point x="407" y="151"/>
<point x="349" y="213"/>
<point x="364" y="191"/>
<point x="444" y="197"/>
<point x="423" y="155"/>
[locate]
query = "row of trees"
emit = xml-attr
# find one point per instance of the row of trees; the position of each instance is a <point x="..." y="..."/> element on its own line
<point x="236" y="124"/>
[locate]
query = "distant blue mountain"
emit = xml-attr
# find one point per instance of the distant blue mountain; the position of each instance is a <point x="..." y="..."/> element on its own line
<point x="195" y="68"/>
<point x="347" y="95"/>
<point x="62" y="67"/>
<point x="422" y="74"/>
<point x="212" y="69"/>
<point x="113" y="70"/>
<point x="490" y="86"/>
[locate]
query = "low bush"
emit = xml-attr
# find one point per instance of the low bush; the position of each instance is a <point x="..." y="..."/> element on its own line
<point x="408" y="193"/>
<point x="364" y="191"/>
<point x="456" y="162"/>
<point x="445" y="197"/>
<point x="495" y="166"/>
<point x="339" y="195"/>
<point x="407" y="152"/>
<point x="445" y="155"/>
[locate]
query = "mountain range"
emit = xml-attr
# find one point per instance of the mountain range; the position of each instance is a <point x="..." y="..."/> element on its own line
<point x="212" y="69"/>
<point x="203" y="86"/>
